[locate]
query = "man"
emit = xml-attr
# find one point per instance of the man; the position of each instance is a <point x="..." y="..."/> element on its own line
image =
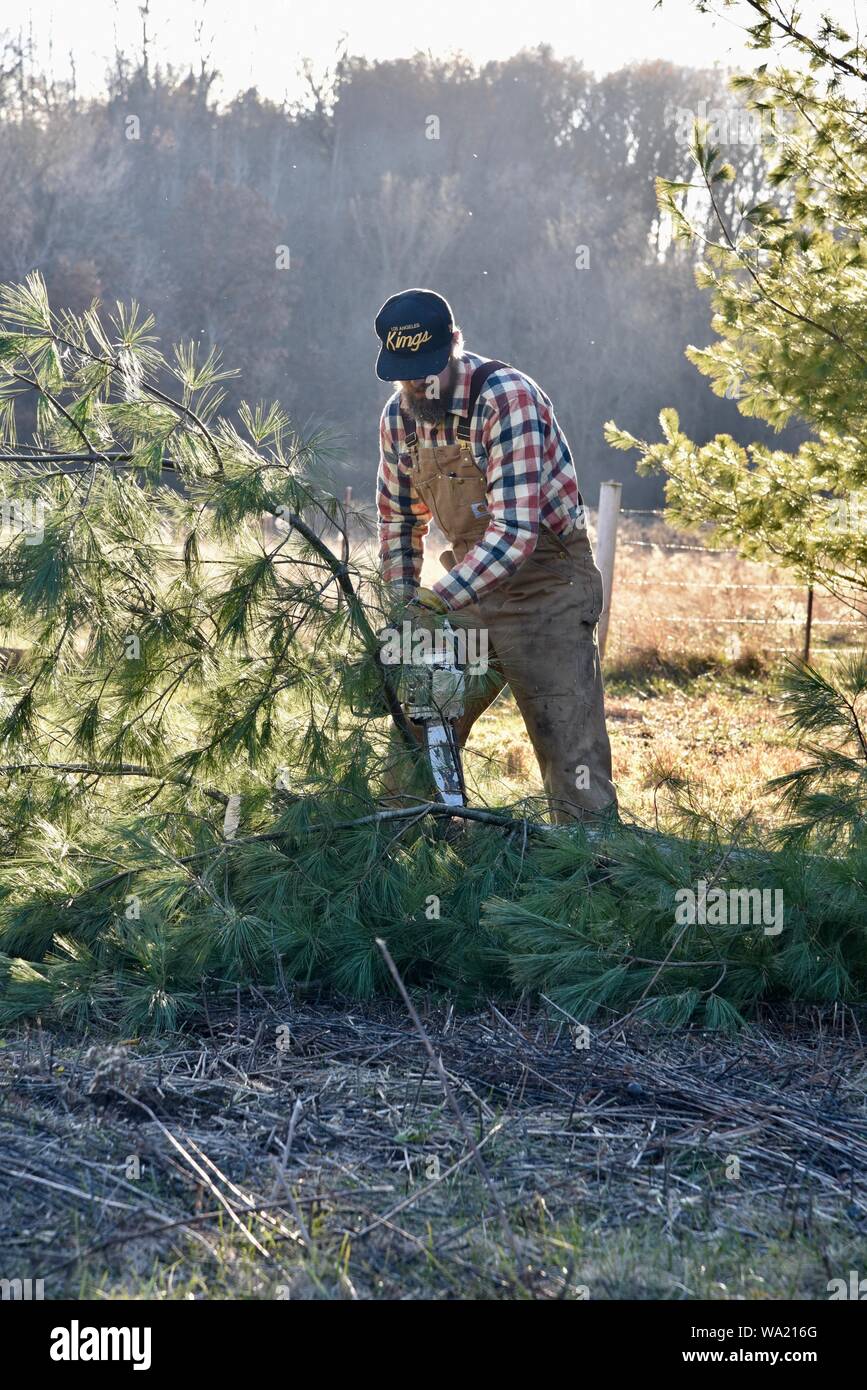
<point x="475" y="445"/>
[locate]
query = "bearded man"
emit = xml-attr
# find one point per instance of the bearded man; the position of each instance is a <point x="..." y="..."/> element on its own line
<point x="474" y="444"/>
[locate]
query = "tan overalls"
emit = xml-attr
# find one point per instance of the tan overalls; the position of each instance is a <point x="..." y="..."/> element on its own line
<point x="541" y="633"/>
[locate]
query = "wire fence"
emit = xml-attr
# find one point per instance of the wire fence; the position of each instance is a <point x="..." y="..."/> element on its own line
<point x="838" y="620"/>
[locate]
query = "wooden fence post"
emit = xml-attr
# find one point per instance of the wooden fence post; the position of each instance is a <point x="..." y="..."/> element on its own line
<point x="809" y="624"/>
<point x="606" y="545"/>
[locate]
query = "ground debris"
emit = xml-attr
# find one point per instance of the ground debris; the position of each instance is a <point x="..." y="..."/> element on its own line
<point x="317" y="1141"/>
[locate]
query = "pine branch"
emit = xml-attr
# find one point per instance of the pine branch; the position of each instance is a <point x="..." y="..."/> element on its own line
<point x="124" y="770"/>
<point x="340" y="570"/>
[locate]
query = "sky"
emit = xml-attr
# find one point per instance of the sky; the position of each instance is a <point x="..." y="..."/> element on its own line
<point x="261" y="42"/>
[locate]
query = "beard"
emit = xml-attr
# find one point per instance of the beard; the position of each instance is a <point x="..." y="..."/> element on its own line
<point x="432" y="412"/>
<point x="422" y="407"/>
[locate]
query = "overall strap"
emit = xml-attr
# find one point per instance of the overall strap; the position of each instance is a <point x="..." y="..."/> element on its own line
<point x="409" y="430"/>
<point x="477" y="381"/>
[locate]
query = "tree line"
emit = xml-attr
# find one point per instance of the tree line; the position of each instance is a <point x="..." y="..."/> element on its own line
<point x="522" y="190"/>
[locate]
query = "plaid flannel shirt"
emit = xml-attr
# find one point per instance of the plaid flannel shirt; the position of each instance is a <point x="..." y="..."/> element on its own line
<point x="529" y="473"/>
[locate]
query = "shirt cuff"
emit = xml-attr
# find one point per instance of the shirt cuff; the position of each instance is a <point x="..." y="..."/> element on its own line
<point x="453" y="595"/>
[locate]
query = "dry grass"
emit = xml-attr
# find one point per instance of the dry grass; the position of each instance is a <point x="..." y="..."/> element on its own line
<point x="723" y="734"/>
<point x="692" y="671"/>
<point x="689" y="602"/>
<point x="330" y="1166"/>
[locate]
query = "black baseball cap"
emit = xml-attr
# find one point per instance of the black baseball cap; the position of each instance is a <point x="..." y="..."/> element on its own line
<point x="415" y="330"/>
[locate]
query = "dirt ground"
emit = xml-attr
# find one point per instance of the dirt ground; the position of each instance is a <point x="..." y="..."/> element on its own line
<point x="299" y="1149"/>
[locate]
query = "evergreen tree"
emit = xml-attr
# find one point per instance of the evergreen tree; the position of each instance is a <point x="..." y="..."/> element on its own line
<point x="788" y="277"/>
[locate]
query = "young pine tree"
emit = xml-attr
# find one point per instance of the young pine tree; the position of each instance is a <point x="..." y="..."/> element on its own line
<point x="788" y="281"/>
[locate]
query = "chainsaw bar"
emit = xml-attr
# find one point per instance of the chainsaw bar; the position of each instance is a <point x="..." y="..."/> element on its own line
<point x="437" y="701"/>
<point x="444" y="757"/>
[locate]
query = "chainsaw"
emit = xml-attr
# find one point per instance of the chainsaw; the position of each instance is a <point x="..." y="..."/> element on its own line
<point x="433" y="698"/>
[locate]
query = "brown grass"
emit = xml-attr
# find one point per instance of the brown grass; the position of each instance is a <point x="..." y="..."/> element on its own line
<point x="691" y="603"/>
<point x="220" y="1165"/>
<point x="696" y="644"/>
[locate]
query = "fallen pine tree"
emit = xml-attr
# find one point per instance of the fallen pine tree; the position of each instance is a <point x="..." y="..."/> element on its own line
<point x="193" y="746"/>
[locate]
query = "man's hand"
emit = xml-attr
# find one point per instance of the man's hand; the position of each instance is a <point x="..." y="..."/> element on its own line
<point x="422" y="610"/>
<point x="426" y="607"/>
